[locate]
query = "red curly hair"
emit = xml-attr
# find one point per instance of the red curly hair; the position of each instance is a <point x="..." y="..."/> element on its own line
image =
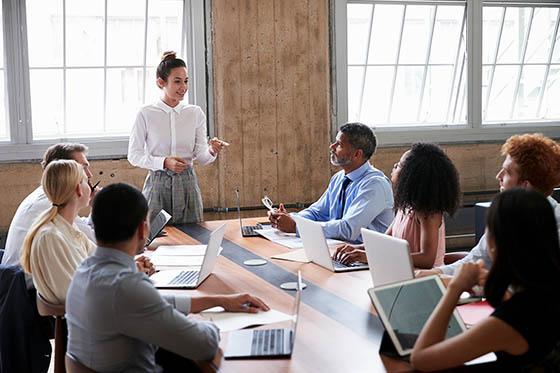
<point x="537" y="158"/>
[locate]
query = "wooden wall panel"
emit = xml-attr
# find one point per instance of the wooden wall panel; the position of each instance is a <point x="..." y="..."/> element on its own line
<point x="271" y="90"/>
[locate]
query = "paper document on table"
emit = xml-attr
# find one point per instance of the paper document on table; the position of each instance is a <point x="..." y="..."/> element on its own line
<point x="290" y="240"/>
<point x="297" y="255"/>
<point x="228" y="321"/>
<point x="177" y="260"/>
<point x="180" y="250"/>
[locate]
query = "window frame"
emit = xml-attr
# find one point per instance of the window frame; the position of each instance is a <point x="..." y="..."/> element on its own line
<point x="473" y="130"/>
<point x="21" y="147"/>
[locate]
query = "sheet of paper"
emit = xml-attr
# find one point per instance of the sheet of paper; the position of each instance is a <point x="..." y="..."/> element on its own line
<point x="181" y="250"/>
<point x="177" y="260"/>
<point x="289" y="240"/>
<point x="228" y="321"/>
<point x="297" y="255"/>
<point x="473" y="313"/>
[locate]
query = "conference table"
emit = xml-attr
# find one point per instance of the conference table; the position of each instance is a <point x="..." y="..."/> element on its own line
<point x="338" y="329"/>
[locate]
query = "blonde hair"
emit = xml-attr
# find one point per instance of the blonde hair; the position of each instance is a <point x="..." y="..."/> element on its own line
<point x="59" y="182"/>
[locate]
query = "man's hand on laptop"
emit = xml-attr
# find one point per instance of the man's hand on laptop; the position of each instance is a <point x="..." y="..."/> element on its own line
<point x="348" y="254"/>
<point x="243" y="303"/>
<point x="281" y="220"/>
<point x="144" y="264"/>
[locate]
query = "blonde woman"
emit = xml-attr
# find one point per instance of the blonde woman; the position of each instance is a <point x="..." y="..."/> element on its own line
<point x="54" y="246"/>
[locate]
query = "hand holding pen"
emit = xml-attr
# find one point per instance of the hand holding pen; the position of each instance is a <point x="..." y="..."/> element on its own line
<point x="216" y="145"/>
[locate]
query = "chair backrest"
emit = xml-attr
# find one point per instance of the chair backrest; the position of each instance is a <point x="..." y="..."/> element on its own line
<point x="74" y="366"/>
<point x="48" y="309"/>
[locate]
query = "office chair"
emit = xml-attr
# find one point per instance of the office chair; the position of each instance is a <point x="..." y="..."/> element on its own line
<point x="60" y="334"/>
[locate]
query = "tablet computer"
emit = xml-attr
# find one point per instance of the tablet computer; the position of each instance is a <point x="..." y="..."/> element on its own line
<point x="404" y="307"/>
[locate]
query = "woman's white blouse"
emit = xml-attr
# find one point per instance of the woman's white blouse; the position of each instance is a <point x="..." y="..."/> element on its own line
<point x="56" y="251"/>
<point x="161" y="131"/>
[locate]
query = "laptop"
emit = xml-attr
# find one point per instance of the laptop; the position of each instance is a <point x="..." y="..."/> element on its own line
<point x="246" y="230"/>
<point x="265" y="343"/>
<point x="317" y="249"/>
<point x="388" y="258"/>
<point x="404" y="308"/>
<point x="156" y="225"/>
<point x="187" y="279"/>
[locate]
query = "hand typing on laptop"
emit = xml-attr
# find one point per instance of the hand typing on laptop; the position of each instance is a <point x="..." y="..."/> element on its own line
<point x="281" y="220"/>
<point x="348" y="254"/>
<point x="232" y="303"/>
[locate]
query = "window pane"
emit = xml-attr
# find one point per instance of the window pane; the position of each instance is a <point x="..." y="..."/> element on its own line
<point x="377" y="95"/>
<point x="153" y="92"/>
<point x="385" y="34"/>
<point x="165" y="22"/>
<point x="359" y="19"/>
<point x="501" y="94"/>
<point x="4" y="123"/>
<point x="47" y="102"/>
<point x="125" y="32"/>
<point x="447" y="31"/>
<point x="491" y="20"/>
<point x="556" y="54"/>
<point x="416" y="34"/>
<point x="407" y="94"/>
<point x="435" y="102"/>
<point x="550" y="108"/>
<point x="486" y="76"/>
<point x="529" y="92"/>
<point x="355" y="80"/>
<point x="84" y="102"/>
<point x="514" y="34"/>
<point x="44" y="32"/>
<point x="85" y="32"/>
<point x="540" y="37"/>
<point x="124" y="98"/>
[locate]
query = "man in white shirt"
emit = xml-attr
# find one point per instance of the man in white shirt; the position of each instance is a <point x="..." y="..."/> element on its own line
<point x="532" y="162"/>
<point x="37" y="202"/>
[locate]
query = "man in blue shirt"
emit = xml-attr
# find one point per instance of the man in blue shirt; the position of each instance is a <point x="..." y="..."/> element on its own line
<point x="358" y="196"/>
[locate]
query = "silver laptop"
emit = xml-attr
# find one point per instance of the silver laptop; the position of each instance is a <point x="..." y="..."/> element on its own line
<point x="192" y="279"/>
<point x="317" y="249"/>
<point x="246" y="230"/>
<point x="156" y="225"/>
<point x="265" y="343"/>
<point x="388" y="258"/>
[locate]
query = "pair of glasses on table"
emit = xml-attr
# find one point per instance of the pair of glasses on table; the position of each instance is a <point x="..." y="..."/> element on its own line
<point x="267" y="202"/>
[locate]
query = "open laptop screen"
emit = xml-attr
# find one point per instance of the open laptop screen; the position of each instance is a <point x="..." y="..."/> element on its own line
<point x="405" y="307"/>
<point x="157" y="224"/>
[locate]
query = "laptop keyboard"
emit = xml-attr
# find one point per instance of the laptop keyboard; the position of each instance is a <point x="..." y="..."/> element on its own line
<point x="267" y="342"/>
<point x="249" y="230"/>
<point x="340" y="265"/>
<point x="185" y="278"/>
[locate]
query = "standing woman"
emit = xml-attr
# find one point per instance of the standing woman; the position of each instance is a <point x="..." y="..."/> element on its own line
<point x="167" y="137"/>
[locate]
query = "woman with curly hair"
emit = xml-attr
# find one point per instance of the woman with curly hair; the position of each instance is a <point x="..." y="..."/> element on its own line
<point x="426" y="186"/>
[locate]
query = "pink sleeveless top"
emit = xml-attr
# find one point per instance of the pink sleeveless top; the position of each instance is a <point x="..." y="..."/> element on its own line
<point x="407" y="227"/>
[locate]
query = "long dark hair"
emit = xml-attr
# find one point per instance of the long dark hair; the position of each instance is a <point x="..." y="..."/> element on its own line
<point x="428" y="182"/>
<point x="523" y="227"/>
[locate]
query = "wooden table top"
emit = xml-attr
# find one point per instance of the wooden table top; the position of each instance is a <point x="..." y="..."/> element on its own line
<point x="338" y="329"/>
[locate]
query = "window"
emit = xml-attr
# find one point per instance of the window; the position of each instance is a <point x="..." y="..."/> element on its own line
<point x="406" y="64"/>
<point x="90" y="66"/>
<point x="4" y="124"/>
<point x="521" y="66"/>
<point x="447" y="70"/>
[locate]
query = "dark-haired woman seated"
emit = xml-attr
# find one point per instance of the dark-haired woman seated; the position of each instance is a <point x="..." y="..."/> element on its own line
<point x="522" y="286"/>
<point x="426" y="185"/>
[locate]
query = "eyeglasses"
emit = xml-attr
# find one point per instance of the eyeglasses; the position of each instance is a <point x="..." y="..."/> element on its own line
<point x="267" y="202"/>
